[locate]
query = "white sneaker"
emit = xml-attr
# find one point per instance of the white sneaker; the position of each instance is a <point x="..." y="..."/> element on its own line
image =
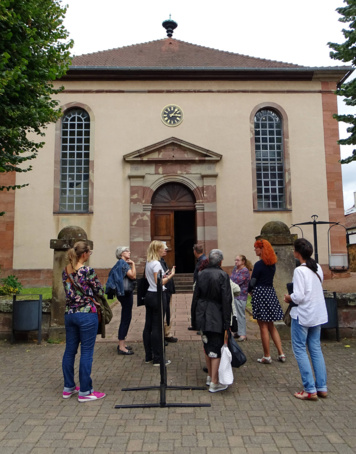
<point x="215" y="388"/>
<point x="208" y="380"/>
<point x="168" y="361"/>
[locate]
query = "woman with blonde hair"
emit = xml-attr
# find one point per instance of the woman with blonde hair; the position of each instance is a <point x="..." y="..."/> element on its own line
<point x="265" y="305"/>
<point x="152" y="333"/>
<point x="81" y="322"/>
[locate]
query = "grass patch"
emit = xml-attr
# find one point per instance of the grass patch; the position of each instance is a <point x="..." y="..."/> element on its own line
<point x="46" y="292"/>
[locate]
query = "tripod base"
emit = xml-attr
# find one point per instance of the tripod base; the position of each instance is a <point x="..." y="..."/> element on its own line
<point x="163" y="403"/>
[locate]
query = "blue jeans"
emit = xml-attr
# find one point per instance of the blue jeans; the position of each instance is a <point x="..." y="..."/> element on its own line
<point x="302" y="337"/>
<point x="126" y="314"/>
<point x="80" y="328"/>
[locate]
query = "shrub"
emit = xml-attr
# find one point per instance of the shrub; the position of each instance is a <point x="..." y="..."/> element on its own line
<point x="10" y="285"/>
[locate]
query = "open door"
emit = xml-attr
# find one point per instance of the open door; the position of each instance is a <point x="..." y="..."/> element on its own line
<point x="162" y="229"/>
<point x="173" y="221"/>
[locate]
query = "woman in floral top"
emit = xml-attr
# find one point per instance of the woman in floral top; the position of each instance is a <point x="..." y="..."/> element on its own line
<point x="81" y="322"/>
<point x="241" y="276"/>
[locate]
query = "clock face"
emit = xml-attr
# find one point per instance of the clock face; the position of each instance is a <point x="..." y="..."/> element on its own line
<point x="172" y="115"/>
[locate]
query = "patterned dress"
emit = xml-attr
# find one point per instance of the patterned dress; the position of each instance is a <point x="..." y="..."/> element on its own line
<point x="265" y="304"/>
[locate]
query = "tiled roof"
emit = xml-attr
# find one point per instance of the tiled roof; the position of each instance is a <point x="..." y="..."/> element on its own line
<point x="172" y="53"/>
<point x="350" y="221"/>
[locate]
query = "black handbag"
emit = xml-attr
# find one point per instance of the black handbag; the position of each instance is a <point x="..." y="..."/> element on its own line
<point x="129" y="284"/>
<point x="142" y="287"/>
<point x="286" y="317"/>
<point x="238" y="356"/>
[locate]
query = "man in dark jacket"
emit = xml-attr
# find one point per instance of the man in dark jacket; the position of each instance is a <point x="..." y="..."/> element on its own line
<point x="198" y="252"/>
<point x="212" y="300"/>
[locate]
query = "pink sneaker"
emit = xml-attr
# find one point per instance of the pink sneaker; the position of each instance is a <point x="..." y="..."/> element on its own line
<point x="67" y="394"/>
<point x="95" y="395"/>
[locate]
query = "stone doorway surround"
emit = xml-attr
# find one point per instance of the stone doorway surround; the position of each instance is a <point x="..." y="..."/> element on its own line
<point x="171" y="160"/>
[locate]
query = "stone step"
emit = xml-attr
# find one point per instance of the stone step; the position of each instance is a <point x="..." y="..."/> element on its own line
<point x="183" y="282"/>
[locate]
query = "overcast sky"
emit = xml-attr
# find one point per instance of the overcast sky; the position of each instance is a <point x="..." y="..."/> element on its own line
<point x="284" y="30"/>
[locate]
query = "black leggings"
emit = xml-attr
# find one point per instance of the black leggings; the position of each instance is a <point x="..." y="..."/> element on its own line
<point x="152" y="333"/>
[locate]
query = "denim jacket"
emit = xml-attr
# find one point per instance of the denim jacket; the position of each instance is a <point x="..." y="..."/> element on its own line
<point x="115" y="282"/>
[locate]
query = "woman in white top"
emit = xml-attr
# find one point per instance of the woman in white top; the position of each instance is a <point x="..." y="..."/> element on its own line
<point x="308" y="314"/>
<point x="152" y="333"/>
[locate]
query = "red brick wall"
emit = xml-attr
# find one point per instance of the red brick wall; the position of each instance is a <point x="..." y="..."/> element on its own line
<point x="333" y="167"/>
<point x="7" y="204"/>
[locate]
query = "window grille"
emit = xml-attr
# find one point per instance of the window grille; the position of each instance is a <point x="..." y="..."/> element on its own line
<point x="75" y="148"/>
<point x="269" y="161"/>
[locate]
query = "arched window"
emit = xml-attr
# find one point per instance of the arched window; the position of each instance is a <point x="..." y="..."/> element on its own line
<point x="269" y="156"/>
<point x="74" y="162"/>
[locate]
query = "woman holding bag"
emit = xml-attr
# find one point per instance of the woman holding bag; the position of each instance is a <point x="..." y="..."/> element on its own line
<point x="81" y="322"/>
<point x="122" y="280"/>
<point x="307" y="317"/>
<point x="153" y="325"/>
<point x="212" y="301"/>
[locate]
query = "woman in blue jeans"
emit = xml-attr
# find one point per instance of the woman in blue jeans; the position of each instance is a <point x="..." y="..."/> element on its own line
<point x="308" y="314"/>
<point x="81" y="322"/>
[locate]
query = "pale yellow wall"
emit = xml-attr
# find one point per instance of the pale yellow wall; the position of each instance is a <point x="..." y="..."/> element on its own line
<point x="220" y="122"/>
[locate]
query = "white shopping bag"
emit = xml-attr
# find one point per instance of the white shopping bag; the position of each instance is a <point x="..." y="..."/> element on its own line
<point x="226" y="376"/>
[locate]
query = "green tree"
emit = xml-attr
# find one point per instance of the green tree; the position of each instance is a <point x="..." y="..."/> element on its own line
<point x="34" y="51"/>
<point x="346" y="52"/>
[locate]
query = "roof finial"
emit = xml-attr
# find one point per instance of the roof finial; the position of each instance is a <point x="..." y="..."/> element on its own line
<point x="169" y="25"/>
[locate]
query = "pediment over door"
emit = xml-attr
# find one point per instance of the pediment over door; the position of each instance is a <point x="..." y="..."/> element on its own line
<point x="173" y="149"/>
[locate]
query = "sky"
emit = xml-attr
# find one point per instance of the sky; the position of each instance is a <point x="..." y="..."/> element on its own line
<point x="283" y="30"/>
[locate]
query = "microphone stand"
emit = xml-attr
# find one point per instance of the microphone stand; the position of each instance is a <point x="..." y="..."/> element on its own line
<point x="163" y="369"/>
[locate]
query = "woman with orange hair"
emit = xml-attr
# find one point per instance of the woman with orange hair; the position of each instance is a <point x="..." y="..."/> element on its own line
<point x="265" y="305"/>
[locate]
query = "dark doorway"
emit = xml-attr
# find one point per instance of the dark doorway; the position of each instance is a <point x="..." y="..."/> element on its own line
<point x="184" y="239"/>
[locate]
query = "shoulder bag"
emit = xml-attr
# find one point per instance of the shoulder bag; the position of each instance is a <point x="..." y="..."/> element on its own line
<point x="238" y="356"/>
<point x="129" y="284"/>
<point x="142" y="287"/>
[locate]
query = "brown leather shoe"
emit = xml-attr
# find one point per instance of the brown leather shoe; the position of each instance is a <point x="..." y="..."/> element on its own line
<point x="322" y="394"/>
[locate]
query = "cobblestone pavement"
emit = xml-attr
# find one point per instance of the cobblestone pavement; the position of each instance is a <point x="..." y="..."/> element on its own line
<point x="257" y="414"/>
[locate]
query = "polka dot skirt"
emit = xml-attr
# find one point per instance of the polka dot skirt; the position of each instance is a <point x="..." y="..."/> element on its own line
<point x="265" y="305"/>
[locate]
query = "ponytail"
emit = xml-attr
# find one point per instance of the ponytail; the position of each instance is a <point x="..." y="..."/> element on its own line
<point x="311" y="264"/>
<point x="74" y="254"/>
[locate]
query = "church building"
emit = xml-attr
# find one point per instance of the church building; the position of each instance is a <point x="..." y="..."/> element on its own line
<point x="178" y="142"/>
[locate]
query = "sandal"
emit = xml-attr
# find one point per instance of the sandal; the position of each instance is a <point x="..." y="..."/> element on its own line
<point x="303" y="395"/>
<point x="265" y="360"/>
<point x="322" y="394"/>
<point x="282" y="358"/>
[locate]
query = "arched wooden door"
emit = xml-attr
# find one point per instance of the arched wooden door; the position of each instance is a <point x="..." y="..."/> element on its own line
<point x="173" y="220"/>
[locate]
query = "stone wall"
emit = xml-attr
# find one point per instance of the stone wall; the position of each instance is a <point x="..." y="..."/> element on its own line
<point x="346" y="308"/>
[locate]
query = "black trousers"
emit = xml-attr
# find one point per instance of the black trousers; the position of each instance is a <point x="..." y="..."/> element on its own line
<point x="126" y="314"/>
<point x="152" y="332"/>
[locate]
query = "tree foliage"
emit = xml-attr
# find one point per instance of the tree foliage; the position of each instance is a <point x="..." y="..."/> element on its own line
<point x="346" y="52"/>
<point x="34" y="51"/>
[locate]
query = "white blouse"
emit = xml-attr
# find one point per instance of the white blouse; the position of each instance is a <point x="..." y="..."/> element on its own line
<point x="308" y="294"/>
